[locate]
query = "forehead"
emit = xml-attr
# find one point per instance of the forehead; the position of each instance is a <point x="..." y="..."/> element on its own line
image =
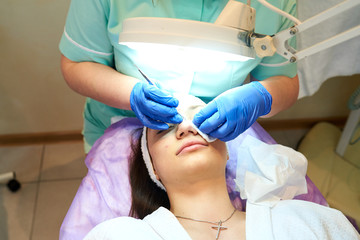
<point x="189" y="113"/>
<point x="189" y="105"/>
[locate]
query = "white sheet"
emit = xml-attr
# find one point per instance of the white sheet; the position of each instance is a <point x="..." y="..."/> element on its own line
<point x="289" y="219"/>
<point x="341" y="60"/>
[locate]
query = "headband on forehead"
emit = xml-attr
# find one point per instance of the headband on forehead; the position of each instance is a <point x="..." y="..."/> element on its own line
<point x="147" y="159"/>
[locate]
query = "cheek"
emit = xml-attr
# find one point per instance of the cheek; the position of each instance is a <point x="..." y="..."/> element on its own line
<point x="221" y="148"/>
<point x="158" y="149"/>
<point x="160" y="155"/>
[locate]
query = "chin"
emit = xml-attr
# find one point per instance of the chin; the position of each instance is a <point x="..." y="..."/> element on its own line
<point x="195" y="162"/>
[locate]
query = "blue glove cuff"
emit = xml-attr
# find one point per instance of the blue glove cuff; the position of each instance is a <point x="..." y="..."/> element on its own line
<point x="265" y="95"/>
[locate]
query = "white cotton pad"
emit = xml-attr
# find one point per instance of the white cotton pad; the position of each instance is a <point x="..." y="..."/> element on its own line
<point x="188" y="106"/>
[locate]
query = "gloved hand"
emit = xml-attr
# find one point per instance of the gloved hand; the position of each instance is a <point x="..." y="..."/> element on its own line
<point x="234" y="111"/>
<point x="153" y="106"/>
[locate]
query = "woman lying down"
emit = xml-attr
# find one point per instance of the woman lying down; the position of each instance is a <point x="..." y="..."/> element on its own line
<point x="179" y="192"/>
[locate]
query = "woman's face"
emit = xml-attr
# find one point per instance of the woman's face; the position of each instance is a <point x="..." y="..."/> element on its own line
<point x="180" y="154"/>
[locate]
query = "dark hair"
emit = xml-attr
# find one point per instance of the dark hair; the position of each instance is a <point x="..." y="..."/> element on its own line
<point x="146" y="195"/>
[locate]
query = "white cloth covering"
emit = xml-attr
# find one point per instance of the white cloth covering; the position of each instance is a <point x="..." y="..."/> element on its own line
<point x="296" y="219"/>
<point x="269" y="179"/>
<point x="273" y="173"/>
<point x="161" y="224"/>
<point x="270" y="173"/>
<point x="289" y="219"/>
<point x="340" y="60"/>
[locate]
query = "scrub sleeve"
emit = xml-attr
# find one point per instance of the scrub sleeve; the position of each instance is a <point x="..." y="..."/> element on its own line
<point x="91" y="35"/>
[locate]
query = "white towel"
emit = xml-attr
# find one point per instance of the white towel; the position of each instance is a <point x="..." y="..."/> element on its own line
<point x="270" y="173"/>
<point x="340" y="60"/>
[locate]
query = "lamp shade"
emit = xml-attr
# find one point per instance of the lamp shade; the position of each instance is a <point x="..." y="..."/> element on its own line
<point x="187" y="35"/>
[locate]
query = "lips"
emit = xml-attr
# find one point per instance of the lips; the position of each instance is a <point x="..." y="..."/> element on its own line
<point x="191" y="145"/>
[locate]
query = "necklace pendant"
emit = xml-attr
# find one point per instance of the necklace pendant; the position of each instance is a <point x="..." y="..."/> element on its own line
<point x="219" y="227"/>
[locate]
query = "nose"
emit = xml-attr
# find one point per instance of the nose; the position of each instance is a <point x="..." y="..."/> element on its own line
<point x="185" y="128"/>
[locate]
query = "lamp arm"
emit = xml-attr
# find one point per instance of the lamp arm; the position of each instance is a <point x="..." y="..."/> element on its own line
<point x="342" y="37"/>
<point x="331" y="12"/>
<point x="280" y="40"/>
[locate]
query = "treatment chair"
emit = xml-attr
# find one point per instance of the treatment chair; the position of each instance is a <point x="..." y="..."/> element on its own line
<point x="104" y="193"/>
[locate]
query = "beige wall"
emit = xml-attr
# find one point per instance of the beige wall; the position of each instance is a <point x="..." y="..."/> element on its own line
<point x="35" y="99"/>
<point x="33" y="95"/>
<point x="329" y="102"/>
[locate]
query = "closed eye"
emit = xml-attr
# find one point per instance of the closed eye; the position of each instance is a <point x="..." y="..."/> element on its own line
<point x="171" y="127"/>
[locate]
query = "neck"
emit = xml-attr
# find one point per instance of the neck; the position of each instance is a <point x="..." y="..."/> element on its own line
<point x="207" y="200"/>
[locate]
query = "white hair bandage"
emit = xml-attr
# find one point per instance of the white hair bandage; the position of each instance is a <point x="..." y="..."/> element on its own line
<point x="147" y="160"/>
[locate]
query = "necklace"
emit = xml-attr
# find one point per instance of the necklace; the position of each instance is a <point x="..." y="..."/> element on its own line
<point x="218" y="224"/>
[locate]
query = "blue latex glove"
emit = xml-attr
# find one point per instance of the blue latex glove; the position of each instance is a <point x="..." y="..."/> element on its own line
<point x="234" y="111"/>
<point x="154" y="106"/>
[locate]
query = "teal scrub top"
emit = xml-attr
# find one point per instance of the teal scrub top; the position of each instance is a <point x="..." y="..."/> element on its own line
<point x="92" y="31"/>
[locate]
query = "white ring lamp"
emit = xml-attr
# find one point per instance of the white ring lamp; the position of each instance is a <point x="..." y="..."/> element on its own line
<point x="220" y="38"/>
<point x="232" y="35"/>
